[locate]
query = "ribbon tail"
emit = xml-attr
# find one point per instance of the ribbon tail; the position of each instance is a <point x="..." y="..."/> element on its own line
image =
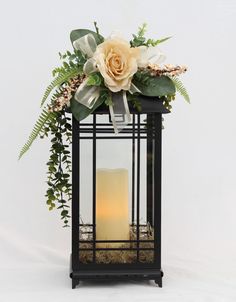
<point x="119" y="111"/>
<point x="87" y="95"/>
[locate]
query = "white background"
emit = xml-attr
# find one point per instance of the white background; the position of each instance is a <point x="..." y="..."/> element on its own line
<point x="199" y="195"/>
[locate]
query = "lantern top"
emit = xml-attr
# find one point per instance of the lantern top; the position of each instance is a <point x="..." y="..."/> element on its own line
<point x="148" y="105"/>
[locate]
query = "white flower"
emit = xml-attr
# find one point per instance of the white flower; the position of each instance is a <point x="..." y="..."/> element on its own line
<point x="150" y="55"/>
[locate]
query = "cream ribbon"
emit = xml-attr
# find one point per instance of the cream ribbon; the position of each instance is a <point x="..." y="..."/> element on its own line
<point x="119" y="111"/>
<point x="86" y="44"/>
<point x="87" y="95"/>
<point x="90" y="66"/>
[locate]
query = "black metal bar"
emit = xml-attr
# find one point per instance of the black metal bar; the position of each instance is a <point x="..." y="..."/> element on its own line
<point x="109" y="124"/>
<point x="157" y="188"/>
<point x="133" y="170"/>
<point x="87" y="224"/>
<point x="101" y="267"/>
<point x="94" y="187"/>
<point x="140" y="232"/>
<point x="75" y="193"/>
<point x="119" y="249"/>
<point x="114" y="137"/>
<point x="103" y="130"/>
<point x="149" y="170"/>
<point x="116" y="241"/>
<point x="100" y="127"/>
<point x="138" y="186"/>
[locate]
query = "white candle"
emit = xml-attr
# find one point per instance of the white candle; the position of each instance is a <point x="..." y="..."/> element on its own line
<point x="112" y="209"/>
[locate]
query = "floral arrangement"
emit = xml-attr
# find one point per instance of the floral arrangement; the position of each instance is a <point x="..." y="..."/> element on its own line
<point x="98" y="71"/>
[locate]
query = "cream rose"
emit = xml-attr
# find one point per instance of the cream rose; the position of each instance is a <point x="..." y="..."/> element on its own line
<point x="117" y="62"/>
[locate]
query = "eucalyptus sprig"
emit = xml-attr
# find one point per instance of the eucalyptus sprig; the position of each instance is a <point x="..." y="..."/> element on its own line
<point x="59" y="192"/>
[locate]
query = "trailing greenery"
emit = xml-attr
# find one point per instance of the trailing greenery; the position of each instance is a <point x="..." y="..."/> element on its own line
<point x="59" y="192"/>
<point x="58" y="126"/>
<point x="167" y="101"/>
<point x="139" y="39"/>
<point x="72" y="65"/>
<point x="181" y="89"/>
<point x="44" y="117"/>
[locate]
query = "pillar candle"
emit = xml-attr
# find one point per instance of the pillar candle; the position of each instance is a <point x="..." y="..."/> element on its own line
<point x="112" y="209"/>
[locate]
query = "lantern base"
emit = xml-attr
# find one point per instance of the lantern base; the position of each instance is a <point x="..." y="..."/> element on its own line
<point x="116" y="275"/>
<point x="124" y="253"/>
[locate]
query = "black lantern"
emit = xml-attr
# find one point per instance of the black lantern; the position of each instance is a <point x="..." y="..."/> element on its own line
<point x="116" y="196"/>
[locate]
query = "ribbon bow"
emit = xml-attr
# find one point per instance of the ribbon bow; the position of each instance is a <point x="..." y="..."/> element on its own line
<point x="88" y="95"/>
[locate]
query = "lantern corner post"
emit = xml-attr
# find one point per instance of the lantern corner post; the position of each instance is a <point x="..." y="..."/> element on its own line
<point x="157" y="193"/>
<point x="75" y="199"/>
<point x="149" y="167"/>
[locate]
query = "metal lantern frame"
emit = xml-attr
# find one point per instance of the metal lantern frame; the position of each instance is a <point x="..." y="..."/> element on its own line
<point x="151" y="131"/>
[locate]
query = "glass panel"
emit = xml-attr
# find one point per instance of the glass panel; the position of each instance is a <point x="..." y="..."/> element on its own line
<point x="86" y="177"/>
<point x="116" y="195"/>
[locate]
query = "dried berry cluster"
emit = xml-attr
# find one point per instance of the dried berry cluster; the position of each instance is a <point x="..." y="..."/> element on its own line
<point x="168" y="69"/>
<point x="64" y="97"/>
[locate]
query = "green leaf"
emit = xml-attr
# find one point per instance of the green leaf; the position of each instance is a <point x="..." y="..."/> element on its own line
<point x="108" y="100"/>
<point x="181" y="89"/>
<point x="80" y="111"/>
<point x="60" y="79"/>
<point x="154" y="86"/>
<point x="78" y="33"/>
<point x="43" y="118"/>
<point x="95" y="79"/>
<point x="64" y="213"/>
<point x="152" y="42"/>
<point x="66" y="175"/>
<point x="162" y="40"/>
<point x="62" y="201"/>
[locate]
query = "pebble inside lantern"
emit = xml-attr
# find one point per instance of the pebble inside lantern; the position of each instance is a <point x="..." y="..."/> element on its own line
<point x="122" y="240"/>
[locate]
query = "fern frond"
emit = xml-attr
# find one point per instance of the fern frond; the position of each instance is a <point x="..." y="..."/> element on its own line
<point x="60" y="79"/>
<point x="181" y="89"/>
<point x="43" y="118"/>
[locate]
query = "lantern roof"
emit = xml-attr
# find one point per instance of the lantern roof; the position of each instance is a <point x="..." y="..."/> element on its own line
<point x="148" y="105"/>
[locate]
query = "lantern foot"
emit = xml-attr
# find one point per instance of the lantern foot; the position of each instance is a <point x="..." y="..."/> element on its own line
<point x="158" y="282"/>
<point x="75" y="282"/>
